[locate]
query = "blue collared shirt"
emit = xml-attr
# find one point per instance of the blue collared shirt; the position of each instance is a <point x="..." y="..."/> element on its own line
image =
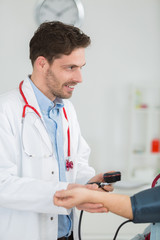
<point x="51" y="112"/>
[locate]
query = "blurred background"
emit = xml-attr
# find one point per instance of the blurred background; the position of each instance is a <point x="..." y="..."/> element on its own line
<point x="118" y="103"/>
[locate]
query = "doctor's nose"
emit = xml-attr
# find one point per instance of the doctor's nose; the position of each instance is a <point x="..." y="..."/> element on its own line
<point x="78" y="76"/>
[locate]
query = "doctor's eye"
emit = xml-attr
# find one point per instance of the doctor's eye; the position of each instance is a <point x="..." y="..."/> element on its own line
<point x="71" y="67"/>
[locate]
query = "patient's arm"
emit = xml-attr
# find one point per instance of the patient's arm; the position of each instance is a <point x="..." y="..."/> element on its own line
<point x="143" y="207"/>
<point x="115" y="203"/>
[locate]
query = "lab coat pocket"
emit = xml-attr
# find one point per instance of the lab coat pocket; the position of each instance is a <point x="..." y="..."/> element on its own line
<point x="35" y="140"/>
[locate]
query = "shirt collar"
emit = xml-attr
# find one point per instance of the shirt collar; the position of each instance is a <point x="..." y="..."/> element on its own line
<point x="45" y="104"/>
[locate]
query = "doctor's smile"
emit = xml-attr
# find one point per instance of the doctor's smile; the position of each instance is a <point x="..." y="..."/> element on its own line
<point x="70" y="87"/>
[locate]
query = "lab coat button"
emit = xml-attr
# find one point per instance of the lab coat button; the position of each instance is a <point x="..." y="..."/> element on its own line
<point x="52" y="172"/>
<point x="51" y="218"/>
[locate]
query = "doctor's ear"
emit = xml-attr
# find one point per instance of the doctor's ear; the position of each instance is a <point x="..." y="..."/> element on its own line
<point x="41" y="63"/>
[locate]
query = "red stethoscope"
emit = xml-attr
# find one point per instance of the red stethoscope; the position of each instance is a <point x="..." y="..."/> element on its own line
<point x="69" y="164"/>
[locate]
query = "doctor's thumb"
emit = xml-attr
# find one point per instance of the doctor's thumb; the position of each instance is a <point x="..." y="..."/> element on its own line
<point x="92" y="186"/>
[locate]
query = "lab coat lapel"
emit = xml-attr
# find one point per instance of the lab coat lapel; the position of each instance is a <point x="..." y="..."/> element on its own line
<point x="43" y="132"/>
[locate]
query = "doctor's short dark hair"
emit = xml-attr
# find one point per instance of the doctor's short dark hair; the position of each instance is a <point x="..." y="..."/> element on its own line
<point x="54" y="39"/>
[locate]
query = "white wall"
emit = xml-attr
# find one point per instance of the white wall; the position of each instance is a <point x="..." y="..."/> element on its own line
<point x="125" y="49"/>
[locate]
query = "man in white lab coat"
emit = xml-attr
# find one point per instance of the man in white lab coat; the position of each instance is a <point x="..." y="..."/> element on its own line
<point x="41" y="147"/>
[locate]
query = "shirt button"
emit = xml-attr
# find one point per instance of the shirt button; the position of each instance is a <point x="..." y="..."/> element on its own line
<point x="51" y="218"/>
<point x="52" y="172"/>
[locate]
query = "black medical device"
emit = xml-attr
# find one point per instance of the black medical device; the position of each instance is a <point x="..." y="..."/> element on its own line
<point x="112" y="177"/>
<point x="109" y="178"/>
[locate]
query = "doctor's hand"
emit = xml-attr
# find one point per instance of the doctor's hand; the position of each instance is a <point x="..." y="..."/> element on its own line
<point x="99" y="178"/>
<point x="76" y="195"/>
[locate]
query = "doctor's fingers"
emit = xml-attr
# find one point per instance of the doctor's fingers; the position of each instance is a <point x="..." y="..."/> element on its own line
<point x="63" y="202"/>
<point x="70" y="198"/>
<point x="108" y="188"/>
<point x="92" y="186"/>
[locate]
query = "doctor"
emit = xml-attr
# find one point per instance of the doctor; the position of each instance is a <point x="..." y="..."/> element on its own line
<point x="42" y="150"/>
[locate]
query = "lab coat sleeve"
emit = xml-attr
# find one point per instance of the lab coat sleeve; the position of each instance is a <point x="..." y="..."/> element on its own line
<point x="146" y="206"/>
<point x="21" y="193"/>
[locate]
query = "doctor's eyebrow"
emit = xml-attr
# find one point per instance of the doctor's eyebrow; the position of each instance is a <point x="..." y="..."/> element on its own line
<point x="74" y="65"/>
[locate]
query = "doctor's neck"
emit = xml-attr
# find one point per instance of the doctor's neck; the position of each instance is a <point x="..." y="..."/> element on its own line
<point x="38" y="82"/>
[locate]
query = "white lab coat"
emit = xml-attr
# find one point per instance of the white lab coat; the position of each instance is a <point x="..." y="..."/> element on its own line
<point x="27" y="184"/>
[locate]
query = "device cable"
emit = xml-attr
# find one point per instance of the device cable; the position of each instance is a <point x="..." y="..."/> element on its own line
<point x="115" y="236"/>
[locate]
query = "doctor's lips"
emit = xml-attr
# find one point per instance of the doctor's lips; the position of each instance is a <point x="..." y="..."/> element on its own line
<point x="70" y="86"/>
